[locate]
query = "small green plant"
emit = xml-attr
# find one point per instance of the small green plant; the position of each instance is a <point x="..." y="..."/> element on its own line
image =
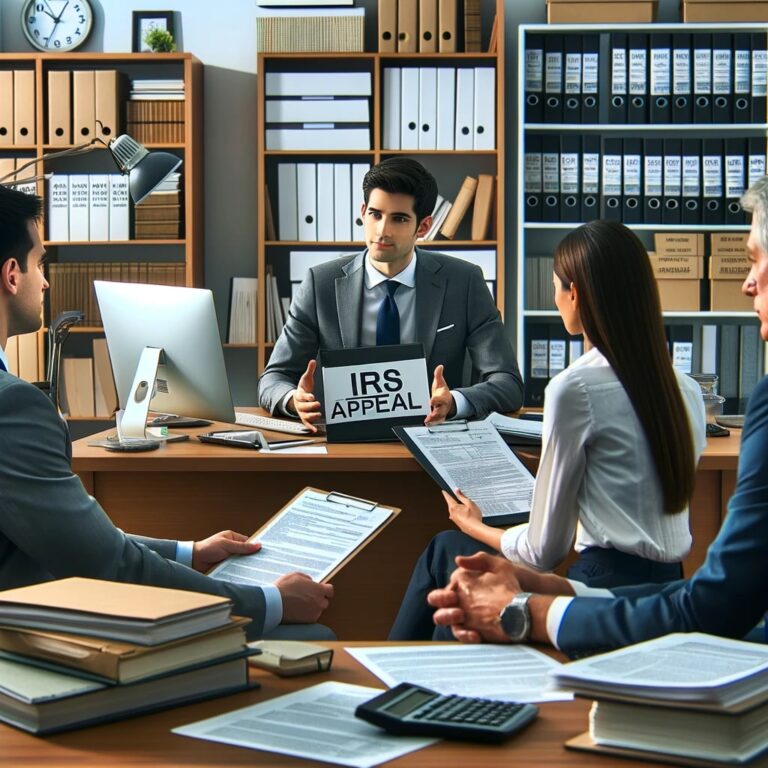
<point x="160" y="40"/>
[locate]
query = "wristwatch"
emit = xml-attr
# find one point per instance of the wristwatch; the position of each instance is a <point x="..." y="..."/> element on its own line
<point x="515" y="618"/>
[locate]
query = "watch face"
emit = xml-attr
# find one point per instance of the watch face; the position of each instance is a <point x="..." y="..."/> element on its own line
<point x="56" y="25"/>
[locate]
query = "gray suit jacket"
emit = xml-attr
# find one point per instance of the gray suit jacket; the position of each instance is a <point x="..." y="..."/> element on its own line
<point x="50" y="528"/>
<point x="326" y="314"/>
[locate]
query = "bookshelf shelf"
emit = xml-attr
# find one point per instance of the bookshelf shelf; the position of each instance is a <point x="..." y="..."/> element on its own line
<point x="82" y="243"/>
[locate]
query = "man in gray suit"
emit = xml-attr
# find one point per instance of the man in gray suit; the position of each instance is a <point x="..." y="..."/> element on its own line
<point x="396" y="293"/>
<point x="50" y="528"/>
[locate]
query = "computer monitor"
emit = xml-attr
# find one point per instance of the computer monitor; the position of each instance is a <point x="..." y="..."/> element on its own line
<point x="165" y="350"/>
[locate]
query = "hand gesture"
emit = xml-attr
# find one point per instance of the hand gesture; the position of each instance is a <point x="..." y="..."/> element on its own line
<point x="441" y="403"/>
<point x="303" y="599"/>
<point x="214" y="549"/>
<point x="303" y="402"/>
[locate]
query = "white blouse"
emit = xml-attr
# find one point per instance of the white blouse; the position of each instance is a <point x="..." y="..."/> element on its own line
<point x="596" y="477"/>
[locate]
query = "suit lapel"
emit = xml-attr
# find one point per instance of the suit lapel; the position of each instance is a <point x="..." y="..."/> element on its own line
<point x="349" y="301"/>
<point x="430" y="293"/>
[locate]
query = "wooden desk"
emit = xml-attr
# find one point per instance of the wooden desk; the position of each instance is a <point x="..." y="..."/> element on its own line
<point x="190" y="490"/>
<point x="147" y="741"/>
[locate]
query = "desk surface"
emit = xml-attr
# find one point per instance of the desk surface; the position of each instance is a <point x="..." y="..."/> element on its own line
<point x="147" y="741"/>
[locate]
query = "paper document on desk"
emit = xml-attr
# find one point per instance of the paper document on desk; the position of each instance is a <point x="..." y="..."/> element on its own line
<point x="474" y="458"/>
<point x="517" y="431"/>
<point x="316" y="723"/>
<point x="501" y="672"/>
<point x="315" y="533"/>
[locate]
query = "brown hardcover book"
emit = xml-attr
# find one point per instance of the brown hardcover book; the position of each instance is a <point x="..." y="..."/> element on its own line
<point x="472" y="26"/>
<point x="147" y="230"/>
<point x="460" y="207"/>
<point x="481" y="213"/>
<point x="157" y="213"/>
<point x="162" y="198"/>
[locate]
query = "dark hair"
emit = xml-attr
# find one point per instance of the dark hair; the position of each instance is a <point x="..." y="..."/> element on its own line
<point x="403" y="176"/>
<point x="620" y="312"/>
<point x="16" y="209"/>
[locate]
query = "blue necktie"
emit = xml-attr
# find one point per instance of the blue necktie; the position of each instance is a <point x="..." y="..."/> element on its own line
<point x="388" y="320"/>
<point x="2" y="365"/>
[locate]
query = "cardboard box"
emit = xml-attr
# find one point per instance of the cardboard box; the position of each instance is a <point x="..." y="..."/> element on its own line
<point x="679" y="244"/>
<point x="727" y="274"/>
<point x="725" y="10"/>
<point x="679" y="281"/>
<point x="601" y="11"/>
<point x="729" y="244"/>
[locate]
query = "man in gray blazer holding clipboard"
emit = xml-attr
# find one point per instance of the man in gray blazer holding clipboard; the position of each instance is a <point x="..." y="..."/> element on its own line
<point x="396" y="293"/>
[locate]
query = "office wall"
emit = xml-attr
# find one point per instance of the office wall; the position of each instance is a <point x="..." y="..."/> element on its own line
<point x="221" y="35"/>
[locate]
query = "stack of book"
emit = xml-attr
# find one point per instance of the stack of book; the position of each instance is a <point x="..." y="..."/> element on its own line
<point x="448" y="216"/>
<point x="156" y="121"/>
<point x="158" y="216"/>
<point x="692" y="699"/>
<point x="80" y="651"/>
<point x="157" y="90"/>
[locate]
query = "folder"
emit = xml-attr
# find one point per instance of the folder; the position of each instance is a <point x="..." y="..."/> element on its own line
<point x="612" y="179"/>
<point x="446" y="107"/>
<point x="617" y="108"/>
<point x="553" y="79"/>
<point x="59" y="107"/>
<point x="735" y="168"/>
<point x="661" y="78"/>
<point x="306" y="201"/>
<point x="572" y="79"/>
<point x="534" y="78"/>
<point x="407" y="26"/>
<point x="427" y="108"/>
<point x="391" y="107"/>
<point x="409" y="108"/>
<point x="24" y="107"/>
<point x="742" y="87"/>
<point x="342" y="202"/>
<point x="446" y="25"/>
<point x="653" y="180"/>
<point x="119" y="207"/>
<point x="691" y="198"/>
<point x="590" y="177"/>
<point x="481" y="213"/>
<point x="79" y="207"/>
<point x="107" y="103"/>
<point x="682" y="99"/>
<point x="358" y="172"/>
<point x="637" y="57"/>
<point x="673" y="181"/>
<point x="536" y="363"/>
<point x="702" y="78"/>
<point x="387" y="26"/>
<point x="550" y="174"/>
<point x="465" y="107"/>
<point x="632" y="185"/>
<point x="712" y="181"/>
<point x="287" y="202"/>
<point x="590" y="69"/>
<point x="759" y="78"/>
<point x="722" y="79"/>
<point x="57" y="220"/>
<point x="6" y="107"/>
<point x="83" y="104"/>
<point x="570" y="183"/>
<point x="324" y="198"/>
<point x="756" y="165"/>
<point x="532" y="178"/>
<point x="427" y="26"/>
<point x="98" y="206"/>
<point x="484" y="118"/>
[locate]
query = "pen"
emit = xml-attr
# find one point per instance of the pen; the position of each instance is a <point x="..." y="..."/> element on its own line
<point x="289" y="444"/>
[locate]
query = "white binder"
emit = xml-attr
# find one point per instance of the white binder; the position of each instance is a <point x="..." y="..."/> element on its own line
<point x="358" y="172"/>
<point x="409" y="108"/>
<point x="314" y="136"/>
<point x="325" y="202"/>
<point x="318" y="84"/>
<point x="485" y="112"/>
<point x="119" y="208"/>
<point x="78" y="207"/>
<point x="317" y="110"/>
<point x="342" y="202"/>
<point x="306" y="195"/>
<point x="446" y="107"/>
<point x="465" y="108"/>
<point x="98" y="201"/>
<point x="287" y="202"/>
<point x="427" y="108"/>
<point x="58" y="208"/>
<point x="391" y="117"/>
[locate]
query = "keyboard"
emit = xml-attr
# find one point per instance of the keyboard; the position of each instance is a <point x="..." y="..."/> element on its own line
<point x="273" y="425"/>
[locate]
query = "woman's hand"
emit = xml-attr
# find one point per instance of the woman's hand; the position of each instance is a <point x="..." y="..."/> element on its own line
<point x="464" y="512"/>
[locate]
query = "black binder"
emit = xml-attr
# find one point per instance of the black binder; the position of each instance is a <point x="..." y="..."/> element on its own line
<point x="742" y="78"/>
<point x="661" y="78"/>
<point x="534" y="78"/>
<point x="570" y="178"/>
<point x="756" y="162"/>
<point x="653" y="180"/>
<point x="682" y="70"/>
<point x="691" y="199"/>
<point x="735" y="178"/>
<point x="590" y="177"/>
<point x="617" y="107"/>
<point x="637" y="52"/>
<point x="702" y="78"/>
<point x="590" y="85"/>
<point x="722" y="77"/>
<point x="553" y="79"/>
<point x="758" y="76"/>
<point x="612" y="179"/>
<point x="632" y="184"/>
<point x="572" y="79"/>
<point x="550" y="165"/>
<point x="532" y="180"/>
<point x="536" y="363"/>
<point x="670" y="213"/>
<point x="712" y="181"/>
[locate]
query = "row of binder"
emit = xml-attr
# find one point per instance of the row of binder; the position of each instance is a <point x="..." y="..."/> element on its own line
<point x="651" y="181"/>
<point x="548" y="351"/>
<point x="423" y="26"/>
<point x="658" y="78"/>
<point x="439" y="108"/>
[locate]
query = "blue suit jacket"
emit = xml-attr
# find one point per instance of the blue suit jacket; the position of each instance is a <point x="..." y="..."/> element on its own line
<point x="729" y="593"/>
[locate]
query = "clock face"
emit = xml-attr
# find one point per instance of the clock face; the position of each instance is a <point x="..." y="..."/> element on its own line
<point x="56" y="25"/>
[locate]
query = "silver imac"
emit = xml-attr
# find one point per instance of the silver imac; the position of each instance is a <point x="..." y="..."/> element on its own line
<point x="165" y="351"/>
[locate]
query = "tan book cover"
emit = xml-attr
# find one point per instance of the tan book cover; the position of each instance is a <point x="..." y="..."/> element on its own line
<point x="24" y="107"/>
<point x="481" y="214"/>
<point x="460" y="207"/>
<point x="28" y="358"/>
<point x="59" y="107"/>
<point x="78" y="386"/>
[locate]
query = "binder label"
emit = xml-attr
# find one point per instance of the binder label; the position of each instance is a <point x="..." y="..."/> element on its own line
<point x="533" y="180"/>
<point x="638" y="65"/>
<point x="702" y="70"/>
<point x="759" y="72"/>
<point x="741" y="72"/>
<point x="590" y="173"/>
<point x="721" y="70"/>
<point x="551" y="173"/>
<point x="672" y="175"/>
<point x="569" y="173"/>
<point x="553" y="74"/>
<point x="756" y="168"/>
<point x="557" y="349"/>
<point x="660" y="71"/>
<point x="713" y="175"/>
<point x="534" y="70"/>
<point x="734" y="175"/>
<point x="653" y="176"/>
<point x="589" y="69"/>
<point x="682" y="356"/>
<point x="573" y="73"/>
<point x="539" y="359"/>
<point x="619" y="71"/>
<point x="681" y="72"/>
<point x="691" y="176"/>
<point x="611" y="174"/>
<point x="631" y="174"/>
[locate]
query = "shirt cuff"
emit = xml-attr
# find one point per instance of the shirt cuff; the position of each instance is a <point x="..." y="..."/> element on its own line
<point x="184" y="550"/>
<point x="283" y="405"/>
<point x="582" y="590"/>
<point x="464" y="408"/>
<point x="509" y="540"/>
<point x="555" y="618"/>
<point x="273" y="607"/>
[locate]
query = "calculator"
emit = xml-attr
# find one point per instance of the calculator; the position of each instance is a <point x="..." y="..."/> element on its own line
<point x="411" y="710"/>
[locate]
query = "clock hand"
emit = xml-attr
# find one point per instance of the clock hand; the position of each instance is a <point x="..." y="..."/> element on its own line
<point x="50" y="36"/>
<point x="61" y="13"/>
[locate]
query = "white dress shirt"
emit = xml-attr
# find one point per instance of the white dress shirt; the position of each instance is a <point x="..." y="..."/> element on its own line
<point x="597" y="478"/>
<point x="3" y="358"/>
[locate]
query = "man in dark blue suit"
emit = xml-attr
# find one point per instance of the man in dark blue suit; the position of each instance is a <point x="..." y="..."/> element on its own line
<point x="491" y="599"/>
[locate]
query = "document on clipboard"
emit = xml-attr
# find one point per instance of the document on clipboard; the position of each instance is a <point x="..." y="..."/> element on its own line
<point x="316" y="532"/>
<point x="473" y="457"/>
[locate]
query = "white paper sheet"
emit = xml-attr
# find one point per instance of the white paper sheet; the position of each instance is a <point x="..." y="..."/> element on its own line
<point x="502" y="672"/>
<point x="317" y="723"/>
<point x="313" y="535"/>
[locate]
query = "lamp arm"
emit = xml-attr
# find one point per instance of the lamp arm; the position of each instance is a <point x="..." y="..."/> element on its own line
<point x="80" y="149"/>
